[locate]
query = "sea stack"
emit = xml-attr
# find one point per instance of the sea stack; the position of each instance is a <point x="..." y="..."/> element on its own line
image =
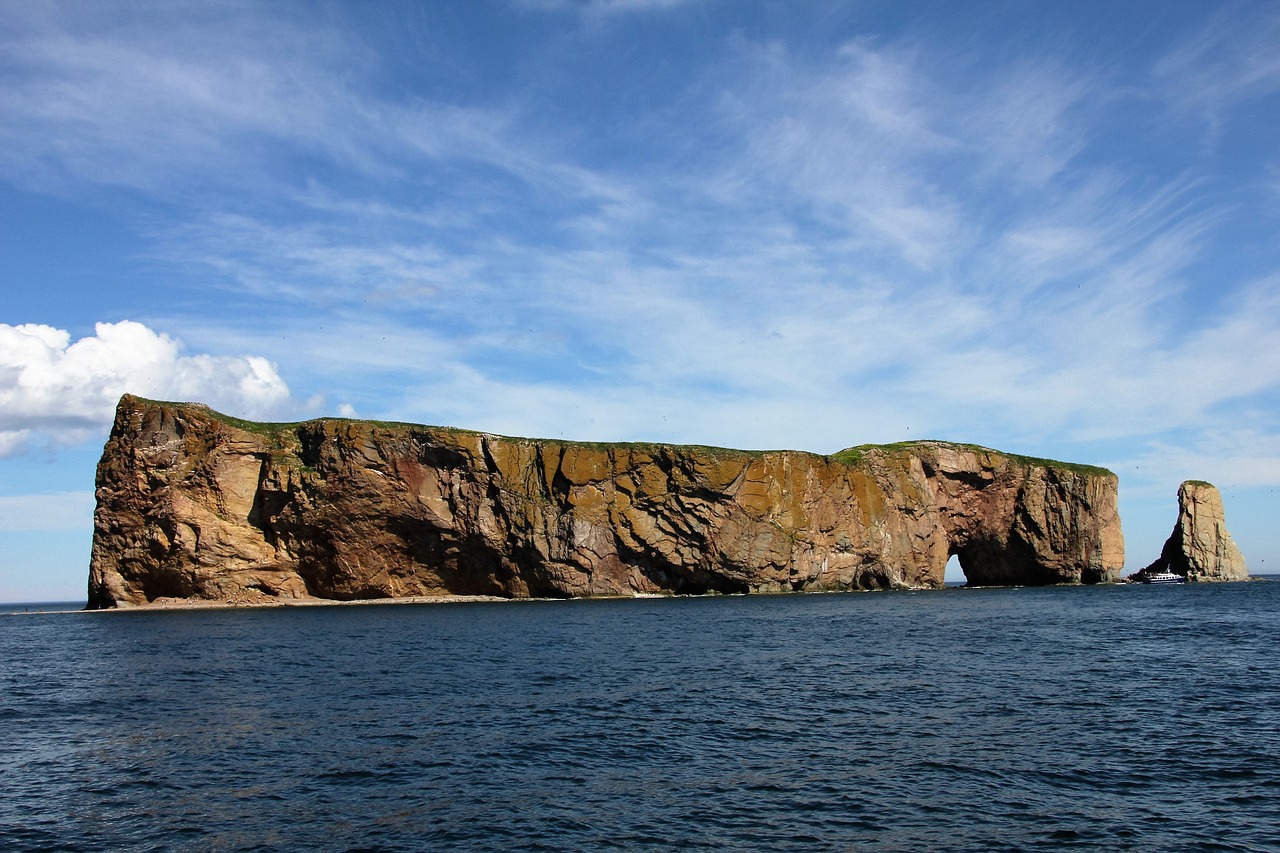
<point x="1200" y="548"/>
<point x="200" y="506"/>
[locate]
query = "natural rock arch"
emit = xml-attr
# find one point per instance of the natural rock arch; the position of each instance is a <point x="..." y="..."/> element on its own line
<point x="198" y="504"/>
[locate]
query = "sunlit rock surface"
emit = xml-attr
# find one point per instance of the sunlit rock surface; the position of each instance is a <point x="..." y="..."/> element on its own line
<point x="1200" y="548"/>
<point x="197" y="505"/>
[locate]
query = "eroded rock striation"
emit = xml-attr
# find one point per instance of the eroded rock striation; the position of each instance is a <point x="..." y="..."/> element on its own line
<point x="1200" y="548"/>
<point x="193" y="504"/>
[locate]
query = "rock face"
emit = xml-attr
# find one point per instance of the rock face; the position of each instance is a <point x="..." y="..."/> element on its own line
<point x="1200" y="548"/>
<point x="193" y="504"/>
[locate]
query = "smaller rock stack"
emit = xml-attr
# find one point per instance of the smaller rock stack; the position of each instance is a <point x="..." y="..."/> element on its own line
<point x="1200" y="548"/>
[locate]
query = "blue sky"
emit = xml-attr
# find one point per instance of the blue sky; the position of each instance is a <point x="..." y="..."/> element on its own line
<point x="1047" y="228"/>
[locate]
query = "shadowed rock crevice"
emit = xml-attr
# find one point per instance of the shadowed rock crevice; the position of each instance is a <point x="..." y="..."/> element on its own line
<point x="193" y="504"/>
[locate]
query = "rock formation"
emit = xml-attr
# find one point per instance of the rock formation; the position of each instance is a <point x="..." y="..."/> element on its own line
<point x="197" y="505"/>
<point x="1200" y="548"/>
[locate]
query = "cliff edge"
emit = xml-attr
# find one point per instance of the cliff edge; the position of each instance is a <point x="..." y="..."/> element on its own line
<point x="192" y="504"/>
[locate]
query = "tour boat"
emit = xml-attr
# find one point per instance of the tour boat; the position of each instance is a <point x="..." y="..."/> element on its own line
<point x="1161" y="577"/>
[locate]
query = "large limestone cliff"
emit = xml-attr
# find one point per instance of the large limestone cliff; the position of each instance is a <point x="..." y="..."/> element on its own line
<point x="1200" y="548"/>
<point x="193" y="504"/>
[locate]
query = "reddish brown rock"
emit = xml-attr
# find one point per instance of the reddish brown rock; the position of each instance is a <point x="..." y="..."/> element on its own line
<point x="193" y="504"/>
<point x="1200" y="548"/>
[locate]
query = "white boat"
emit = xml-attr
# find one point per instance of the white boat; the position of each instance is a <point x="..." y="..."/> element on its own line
<point x="1160" y="577"/>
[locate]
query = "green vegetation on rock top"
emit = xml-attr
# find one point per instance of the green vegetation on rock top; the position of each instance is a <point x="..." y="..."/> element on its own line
<point x="269" y="429"/>
<point x="852" y="456"/>
<point x="857" y="455"/>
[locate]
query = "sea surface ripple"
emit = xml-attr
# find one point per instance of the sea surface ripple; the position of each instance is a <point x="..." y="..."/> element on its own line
<point x="1103" y="718"/>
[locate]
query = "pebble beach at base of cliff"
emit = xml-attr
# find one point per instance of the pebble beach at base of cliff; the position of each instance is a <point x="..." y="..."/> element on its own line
<point x="267" y="602"/>
<point x="199" y="603"/>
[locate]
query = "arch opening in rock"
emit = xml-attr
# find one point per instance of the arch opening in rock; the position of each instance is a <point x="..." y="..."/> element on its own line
<point x="989" y="562"/>
<point x="954" y="573"/>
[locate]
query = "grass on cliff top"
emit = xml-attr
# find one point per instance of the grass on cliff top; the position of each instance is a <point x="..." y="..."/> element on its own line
<point x="852" y="456"/>
<point x="855" y="455"/>
<point x="269" y="429"/>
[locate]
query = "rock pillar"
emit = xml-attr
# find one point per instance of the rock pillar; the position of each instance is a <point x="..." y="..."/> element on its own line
<point x="1200" y="548"/>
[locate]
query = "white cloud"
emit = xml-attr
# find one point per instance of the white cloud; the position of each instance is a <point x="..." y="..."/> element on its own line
<point x="114" y="106"/>
<point x="851" y="139"/>
<point x="1230" y="60"/>
<point x="884" y="233"/>
<point x="1025" y="126"/>
<point x="1228" y="457"/>
<point x="56" y="391"/>
<point x="319" y="265"/>
<point x="54" y="511"/>
<point x="174" y="102"/>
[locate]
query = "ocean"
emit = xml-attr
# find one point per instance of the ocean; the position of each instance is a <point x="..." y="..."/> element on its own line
<point x="1080" y="718"/>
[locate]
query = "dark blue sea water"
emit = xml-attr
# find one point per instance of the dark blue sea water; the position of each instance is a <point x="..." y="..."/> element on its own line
<point x="1092" y="718"/>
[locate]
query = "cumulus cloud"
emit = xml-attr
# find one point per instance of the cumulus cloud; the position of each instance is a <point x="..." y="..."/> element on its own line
<point x="54" y="391"/>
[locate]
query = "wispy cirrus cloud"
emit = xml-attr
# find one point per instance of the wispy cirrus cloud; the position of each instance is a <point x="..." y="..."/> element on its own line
<point x="1229" y="61"/>
<point x="847" y="139"/>
<point x="1055" y="311"/>
<point x="1025" y="128"/>
<point x="166" y="102"/>
<point x="885" y="231"/>
<point x="150" y="103"/>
